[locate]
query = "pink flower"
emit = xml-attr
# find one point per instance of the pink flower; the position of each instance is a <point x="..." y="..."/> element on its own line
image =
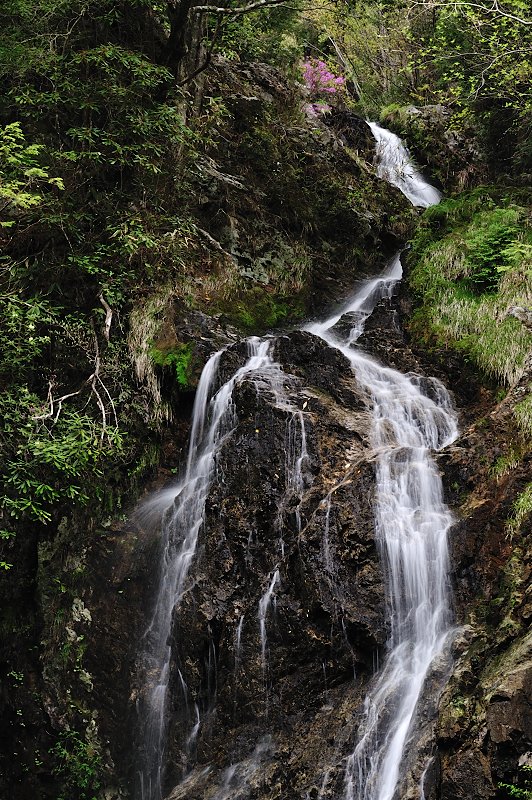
<point x="319" y="80"/>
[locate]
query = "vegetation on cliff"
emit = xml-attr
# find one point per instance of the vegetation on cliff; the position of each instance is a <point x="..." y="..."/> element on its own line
<point x="471" y="263"/>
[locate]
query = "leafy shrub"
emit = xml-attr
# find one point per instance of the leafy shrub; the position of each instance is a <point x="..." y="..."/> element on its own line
<point x="522" y="789"/>
<point x="79" y="764"/>
<point x="488" y="247"/>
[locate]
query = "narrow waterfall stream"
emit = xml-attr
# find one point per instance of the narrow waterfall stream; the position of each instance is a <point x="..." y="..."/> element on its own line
<point x="183" y="509"/>
<point x="411" y="524"/>
<point x="394" y="164"/>
<point x="411" y="417"/>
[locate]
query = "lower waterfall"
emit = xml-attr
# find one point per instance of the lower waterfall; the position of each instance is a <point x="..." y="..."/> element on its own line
<point x="411" y="416"/>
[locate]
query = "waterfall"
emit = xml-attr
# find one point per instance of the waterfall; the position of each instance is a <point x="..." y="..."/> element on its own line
<point x="394" y="164"/>
<point x="411" y="523"/>
<point x="411" y="519"/>
<point x="411" y="418"/>
<point x="183" y="508"/>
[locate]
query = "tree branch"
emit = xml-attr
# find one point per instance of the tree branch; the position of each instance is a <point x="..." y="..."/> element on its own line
<point x="94" y="381"/>
<point x="108" y="315"/>
<point x="241" y="10"/>
<point x="493" y="9"/>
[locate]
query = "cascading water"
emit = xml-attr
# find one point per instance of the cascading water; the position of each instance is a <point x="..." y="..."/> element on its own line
<point x="394" y="164"/>
<point x="411" y="417"/>
<point x="411" y="527"/>
<point x="411" y="522"/>
<point x="183" y="509"/>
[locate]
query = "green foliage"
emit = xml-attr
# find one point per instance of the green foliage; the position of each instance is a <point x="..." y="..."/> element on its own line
<point x="470" y="263"/>
<point x="48" y="463"/>
<point x="24" y="334"/>
<point x="86" y="99"/>
<point x="507" y="462"/>
<point x="370" y="40"/>
<point x="522" y="789"/>
<point x="21" y="173"/>
<point x="79" y="764"/>
<point x="491" y="247"/>
<point x="270" y="35"/>
<point x="475" y="57"/>
<point x="179" y="359"/>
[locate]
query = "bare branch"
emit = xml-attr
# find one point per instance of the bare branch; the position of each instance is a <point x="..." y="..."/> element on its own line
<point x="108" y="315"/>
<point x="111" y="401"/>
<point x="215" y="243"/>
<point x="94" y="381"/>
<point x="493" y="9"/>
<point x="53" y="402"/>
<point x="241" y="10"/>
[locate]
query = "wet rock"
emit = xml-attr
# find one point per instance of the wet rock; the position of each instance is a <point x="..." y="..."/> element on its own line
<point x="326" y="614"/>
<point x="353" y="130"/>
<point x="469" y="777"/>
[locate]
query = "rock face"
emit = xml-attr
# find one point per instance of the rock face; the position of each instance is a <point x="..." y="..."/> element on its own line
<point x="293" y="680"/>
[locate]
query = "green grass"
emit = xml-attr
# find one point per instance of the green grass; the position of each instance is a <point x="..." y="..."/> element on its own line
<point x="523" y="414"/>
<point x="521" y="510"/>
<point x="472" y="260"/>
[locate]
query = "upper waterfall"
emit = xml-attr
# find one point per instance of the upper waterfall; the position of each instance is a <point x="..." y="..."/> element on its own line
<point x="394" y="164"/>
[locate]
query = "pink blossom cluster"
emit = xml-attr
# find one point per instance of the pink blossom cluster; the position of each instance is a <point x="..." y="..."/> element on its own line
<point x="319" y="79"/>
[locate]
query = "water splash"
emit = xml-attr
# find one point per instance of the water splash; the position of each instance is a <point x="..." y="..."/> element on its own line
<point x="237" y="777"/>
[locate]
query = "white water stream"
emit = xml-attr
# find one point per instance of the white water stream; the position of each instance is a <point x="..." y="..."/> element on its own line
<point x="183" y="510"/>
<point x="411" y="519"/>
<point x="411" y="528"/>
<point x="394" y="164"/>
<point x="411" y="523"/>
<point x="264" y="604"/>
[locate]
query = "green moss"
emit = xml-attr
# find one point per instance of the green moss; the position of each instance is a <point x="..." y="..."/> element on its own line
<point x="258" y="311"/>
<point x="178" y="358"/>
